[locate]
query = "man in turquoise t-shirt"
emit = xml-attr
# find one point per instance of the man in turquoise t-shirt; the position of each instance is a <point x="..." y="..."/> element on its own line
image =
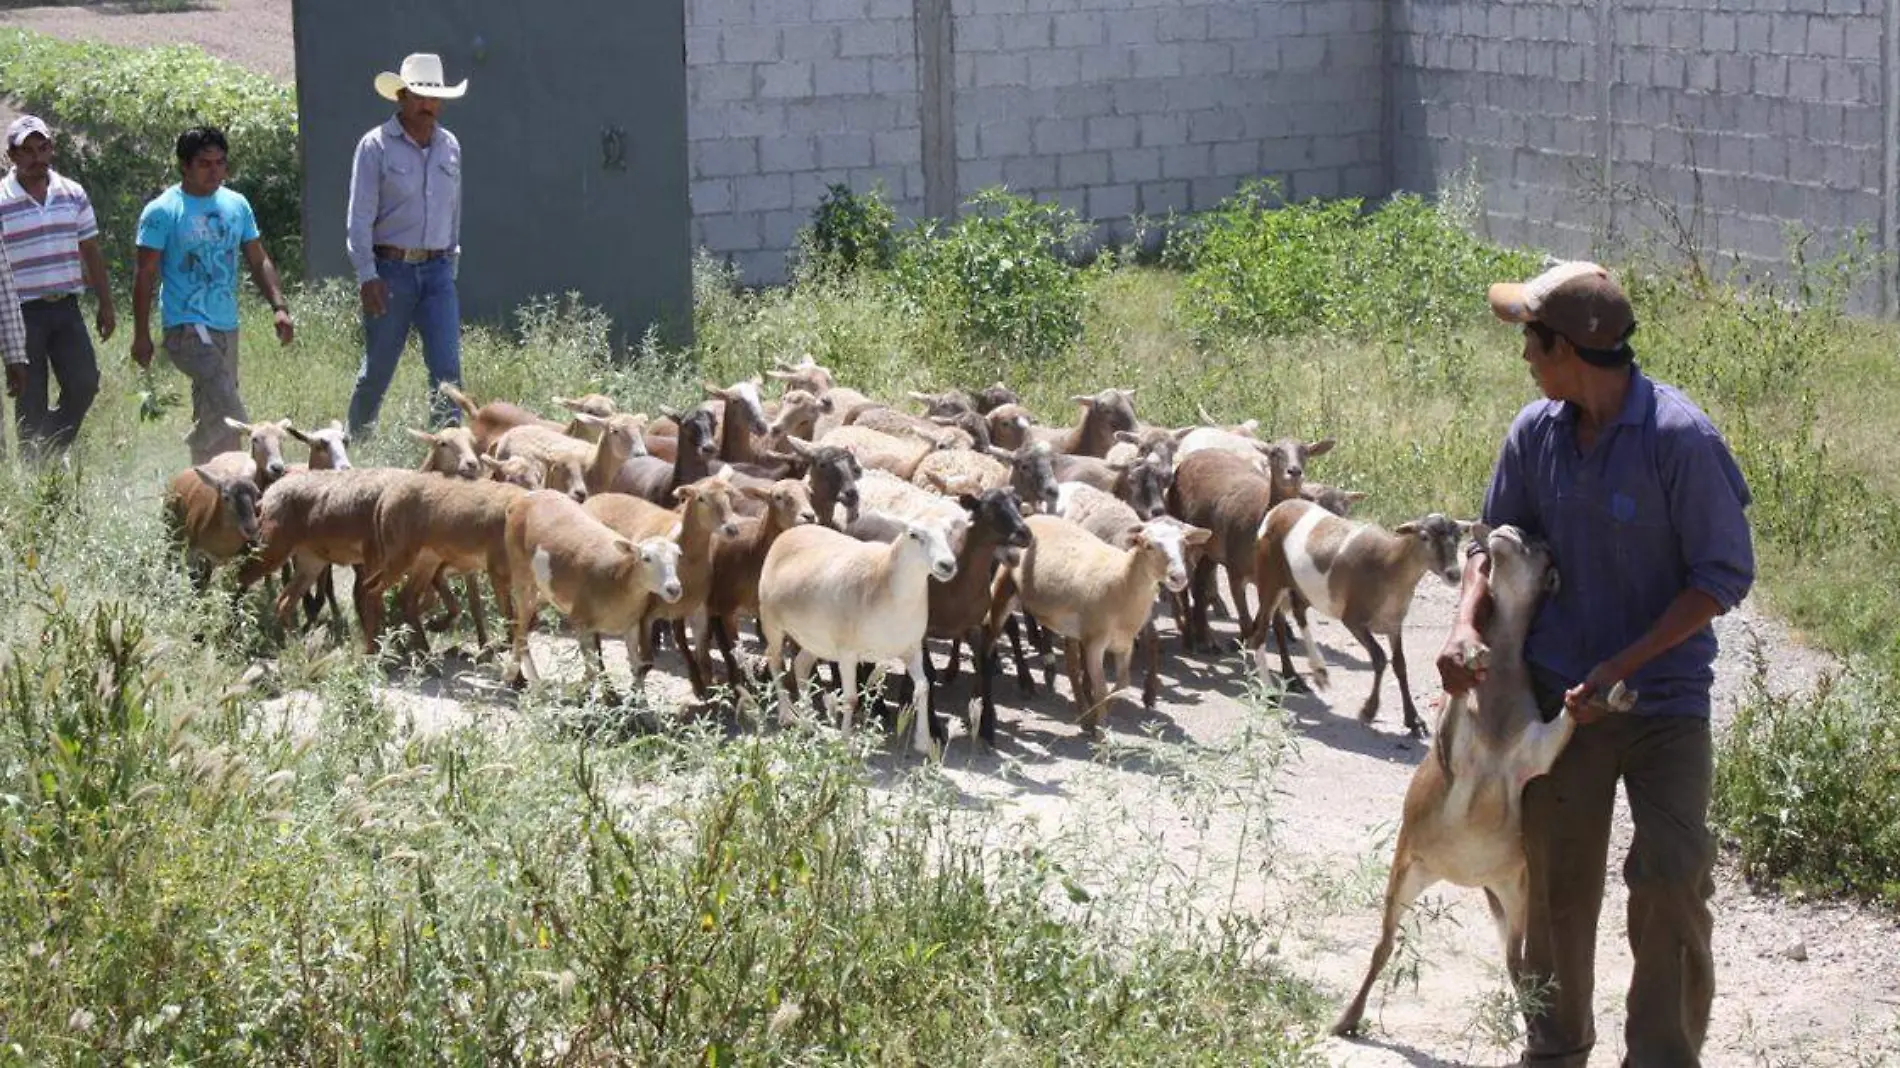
<point x="190" y="237"/>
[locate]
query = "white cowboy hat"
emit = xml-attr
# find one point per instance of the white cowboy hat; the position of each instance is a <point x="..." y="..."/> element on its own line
<point x="421" y="75"/>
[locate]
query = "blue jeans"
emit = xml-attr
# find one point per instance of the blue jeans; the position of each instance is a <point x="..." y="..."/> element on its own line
<point x="421" y="295"/>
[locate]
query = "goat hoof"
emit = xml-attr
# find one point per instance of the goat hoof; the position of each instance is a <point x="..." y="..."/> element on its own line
<point x="1348" y="1028"/>
<point x="1295" y="684"/>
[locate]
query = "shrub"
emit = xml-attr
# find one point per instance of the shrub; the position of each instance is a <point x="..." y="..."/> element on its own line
<point x="127" y="107"/>
<point x="1258" y="266"/>
<point x="850" y="232"/>
<point x="997" y="278"/>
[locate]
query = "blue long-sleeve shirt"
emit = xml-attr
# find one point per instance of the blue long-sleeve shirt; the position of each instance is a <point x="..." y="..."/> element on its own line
<point x="1655" y="507"/>
<point x="403" y="194"/>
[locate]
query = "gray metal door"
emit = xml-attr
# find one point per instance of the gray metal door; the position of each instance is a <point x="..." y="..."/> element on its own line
<point x="573" y="138"/>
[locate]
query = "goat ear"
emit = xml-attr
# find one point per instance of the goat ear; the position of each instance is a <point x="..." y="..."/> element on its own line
<point x="489" y="462"/>
<point x="1135" y="534"/>
<point x="756" y="380"/>
<point x="1128" y="436"/>
<point x="757" y="493"/>
<point x="685" y="493"/>
<point x="206" y="476"/>
<point x="674" y="533"/>
<point x="800" y="449"/>
<point x="298" y="434"/>
<point x="237" y="425"/>
<point x="670" y="412"/>
<point x="1248" y="426"/>
<point x="779" y="375"/>
<point x="1179" y="434"/>
<point x="589" y="420"/>
<point x="971" y="502"/>
<point x="1479" y="530"/>
<point x="1084" y="400"/>
<point x="421" y="435"/>
<point x="712" y="390"/>
<point x="1196" y="535"/>
<point x="1355" y="496"/>
<point x="626" y="547"/>
<point x="1320" y="447"/>
<point x="1022" y="422"/>
<point x="1407" y="527"/>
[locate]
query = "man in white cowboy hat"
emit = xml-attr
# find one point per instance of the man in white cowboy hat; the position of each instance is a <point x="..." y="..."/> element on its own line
<point x="404" y="238"/>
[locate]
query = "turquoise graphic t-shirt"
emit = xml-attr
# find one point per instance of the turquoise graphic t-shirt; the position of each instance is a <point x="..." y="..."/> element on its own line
<point x="198" y="239"/>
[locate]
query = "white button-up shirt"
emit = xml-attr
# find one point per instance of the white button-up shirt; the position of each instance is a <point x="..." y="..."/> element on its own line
<point x="403" y="194"/>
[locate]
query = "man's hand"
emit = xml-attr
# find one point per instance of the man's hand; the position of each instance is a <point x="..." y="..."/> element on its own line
<point x="1585" y="701"/>
<point x="16" y="379"/>
<point x="375" y="294"/>
<point x="1462" y="663"/>
<point x="142" y="350"/>
<point x="107" y="322"/>
<point x="285" y="330"/>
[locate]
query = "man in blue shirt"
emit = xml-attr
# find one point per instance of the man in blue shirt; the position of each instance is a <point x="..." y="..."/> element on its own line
<point x="404" y="239"/>
<point x="190" y="237"/>
<point x="1643" y="507"/>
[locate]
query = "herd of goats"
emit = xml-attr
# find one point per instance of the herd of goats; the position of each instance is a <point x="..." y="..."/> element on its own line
<point x="854" y="531"/>
<point x="848" y="528"/>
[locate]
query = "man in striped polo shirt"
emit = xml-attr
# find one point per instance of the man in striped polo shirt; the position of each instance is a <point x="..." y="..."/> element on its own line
<point x="52" y="239"/>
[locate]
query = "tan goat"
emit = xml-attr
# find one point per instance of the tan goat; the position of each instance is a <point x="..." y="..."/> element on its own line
<point x="1092" y="593"/>
<point x="1463" y="811"/>
<point x="423" y="529"/>
<point x="211" y="510"/>
<point x="560" y="555"/>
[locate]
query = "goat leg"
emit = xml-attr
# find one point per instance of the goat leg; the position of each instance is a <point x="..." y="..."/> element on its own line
<point x="1040" y="638"/>
<point x="926" y="729"/>
<point x="955" y="664"/>
<point x="1369" y="710"/>
<point x="1408" y="880"/>
<point x="682" y="640"/>
<point x="1150" y="641"/>
<point x="1413" y="721"/>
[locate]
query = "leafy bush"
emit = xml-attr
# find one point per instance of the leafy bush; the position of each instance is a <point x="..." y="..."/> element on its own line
<point x="997" y="278"/>
<point x="127" y="107"/>
<point x="1266" y="269"/>
<point x="1808" y="788"/>
<point x="850" y="232"/>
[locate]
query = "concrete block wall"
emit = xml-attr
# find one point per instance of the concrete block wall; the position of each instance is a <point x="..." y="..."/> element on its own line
<point x="1109" y="106"/>
<point x="786" y="97"/>
<point x="1114" y="107"/>
<point x="1774" y="108"/>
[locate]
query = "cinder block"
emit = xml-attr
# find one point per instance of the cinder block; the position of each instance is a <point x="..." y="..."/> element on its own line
<point x="809" y="187"/>
<point x="1030" y="172"/>
<point x="1135" y="165"/>
<point x="1139" y="26"/>
<point x="783" y="12"/>
<point x="893" y="75"/>
<point x="1113" y="201"/>
<point x="755" y="118"/>
<point x="1256" y="57"/>
<point x="990" y="7"/>
<point x="719" y="12"/>
<point x="780" y="228"/>
<point x="1081" y="169"/>
<point x="702" y="45"/>
<point x="1230" y="22"/>
<point x="1056" y="136"/>
<point x="814" y="43"/>
<point x="1718" y="32"/>
<point x="1183" y="23"/>
<point x="882" y="37"/>
<point x="1104" y="64"/>
<point x="732" y="232"/>
<point x="1806" y="79"/>
<point x="1207" y="58"/>
<point x="749" y="44"/>
<point x="719" y="159"/>
<point x="1027" y="32"/>
<point x="1186" y="161"/>
<point x="1771" y="75"/>
<point x="1863" y="126"/>
<point x="896" y="148"/>
<point x="842" y="77"/>
<point x="1237" y="158"/>
<point x="1156" y="61"/>
<point x="1050" y="68"/>
<point x="973" y="175"/>
<point x="1079" y="101"/>
<point x="762" y="192"/>
<point x="784" y="80"/>
<point x="1079" y="29"/>
<point x="1322" y="183"/>
<point x="1279" y="18"/>
<point x="1824" y="123"/>
<point x="1842" y="81"/>
<point x="1162" y="130"/>
<point x="887" y="9"/>
<point x="837" y="10"/>
<point x="1754" y="34"/>
<point x="787" y="153"/>
<point x="1789" y="35"/>
<point x="1669" y="71"/>
<point x="1113" y="131"/>
<point x="1158" y="198"/>
<point x="1218" y="125"/>
<point x="1002" y="68"/>
<point x="1861" y="38"/>
<point x="710" y="197"/>
<point x="1005" y="137"/>
<point x="844" y="150"/>
<point x="720" y="82"/>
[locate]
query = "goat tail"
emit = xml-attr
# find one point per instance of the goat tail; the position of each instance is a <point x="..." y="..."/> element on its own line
<point x="1446" y="734"/>
<point x="461" y="399"/>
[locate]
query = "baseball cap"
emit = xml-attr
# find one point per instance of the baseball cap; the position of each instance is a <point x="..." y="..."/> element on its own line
<point x="24" y="127"/>
<point x="1577" y="299"/>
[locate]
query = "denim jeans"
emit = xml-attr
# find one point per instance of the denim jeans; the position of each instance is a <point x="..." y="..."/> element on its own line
<point x="58" y="349"/>
<point x="421" y="295"/>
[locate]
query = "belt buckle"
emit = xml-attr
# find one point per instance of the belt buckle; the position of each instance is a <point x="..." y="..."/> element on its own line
<point x="415" y="255"/>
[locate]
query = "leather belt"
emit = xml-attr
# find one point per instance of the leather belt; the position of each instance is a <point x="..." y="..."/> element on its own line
<point x="408" y="255"/>
<point x="50" y="298"/>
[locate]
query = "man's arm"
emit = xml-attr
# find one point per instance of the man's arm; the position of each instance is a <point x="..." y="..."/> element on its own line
<point x="365" y="189"/>
<point x="12" y="328"/>
<point x="264" y="274"/>
<point x="144" y="282"/>
<point x="92" y="263"/>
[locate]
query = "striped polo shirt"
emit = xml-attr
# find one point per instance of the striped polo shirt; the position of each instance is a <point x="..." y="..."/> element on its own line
<point x="43" y="239"/>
